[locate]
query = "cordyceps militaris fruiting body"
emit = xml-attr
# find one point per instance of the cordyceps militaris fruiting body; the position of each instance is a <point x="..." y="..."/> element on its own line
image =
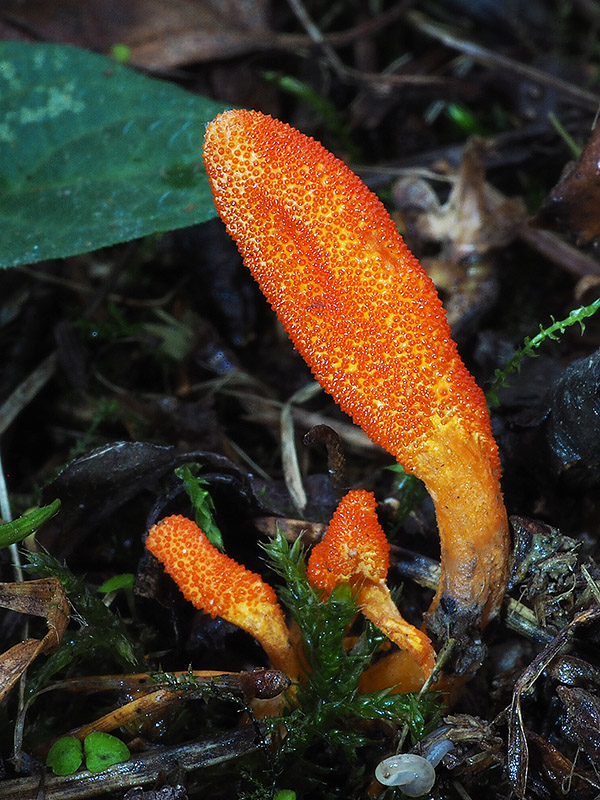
<point x="369" y="323"/>
<point x="355" y="550"/>
<point x="221" y="587"/>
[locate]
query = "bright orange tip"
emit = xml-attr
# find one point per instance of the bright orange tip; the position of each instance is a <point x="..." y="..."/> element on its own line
<point x="354" y="549"/>
<point x="209" y="579"/>
<point x="217" y="584"/>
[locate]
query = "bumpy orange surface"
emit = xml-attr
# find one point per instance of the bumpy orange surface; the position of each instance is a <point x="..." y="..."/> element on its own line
<point x="369" y="323"/>
<point x="353" y="299"/>
<point x="217" y="584"/>
<point x="354" y="548"/>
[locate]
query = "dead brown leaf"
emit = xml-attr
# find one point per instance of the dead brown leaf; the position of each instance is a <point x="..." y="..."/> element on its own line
<point x="473" y="222"/>
<point x="40" y="598"/>
<point x="558" y="774"/>
<point x="574" y="203"/>
<point x="518" y="737"/>
<point x="160" y="33"/>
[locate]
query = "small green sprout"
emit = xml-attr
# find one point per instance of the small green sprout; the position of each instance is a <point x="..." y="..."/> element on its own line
<point x="531" y="344"/>
<point x="121" y="53"/>
<point x="204" y="507"/>
<point x="123" y="581"/>
<point x="101" y="752"/>
<point x="464" y="119"/>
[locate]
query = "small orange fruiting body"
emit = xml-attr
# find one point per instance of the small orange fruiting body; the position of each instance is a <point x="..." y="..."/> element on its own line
<point x="220" y="586"/>
<point x="397" y="671"/>
<point x="355" y="550"/>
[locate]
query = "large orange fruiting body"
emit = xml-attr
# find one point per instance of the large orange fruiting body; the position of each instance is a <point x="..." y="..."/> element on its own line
<point x="354" y="300"/>
<point x="217" y="584"/>
<point x="355" y="550"/>
<point x="368" y="321"/>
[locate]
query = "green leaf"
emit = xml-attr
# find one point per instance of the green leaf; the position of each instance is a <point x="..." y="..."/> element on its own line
<point x="19" y="529"/>
<point x="103" y="750"/>
<point x="93" y="153"/>
<point x="203" y="504"/>
<point x="65" y="756"/>
<point x="123" y="581"/>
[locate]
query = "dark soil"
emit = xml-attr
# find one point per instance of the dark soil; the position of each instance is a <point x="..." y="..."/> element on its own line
<point x="167" y="347"/>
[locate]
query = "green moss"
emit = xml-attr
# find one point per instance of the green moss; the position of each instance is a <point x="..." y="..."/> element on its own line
<point x="330" y="739"/>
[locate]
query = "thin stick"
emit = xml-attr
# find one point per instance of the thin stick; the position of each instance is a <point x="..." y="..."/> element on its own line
<point x="6" y="514"/>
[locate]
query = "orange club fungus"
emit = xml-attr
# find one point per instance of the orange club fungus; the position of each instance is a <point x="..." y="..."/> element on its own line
<point x="368" y="321"/>
<point x="355" y="550"/>
<point x="220" y="586"/>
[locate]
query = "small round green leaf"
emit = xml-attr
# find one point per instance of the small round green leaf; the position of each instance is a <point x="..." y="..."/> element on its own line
<point x="65" y="756"/>
<point x="103" y="750"/>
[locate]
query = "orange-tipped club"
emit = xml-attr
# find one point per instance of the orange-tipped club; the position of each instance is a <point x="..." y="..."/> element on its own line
<point x="220" y="586"/>
<point x="368" y="321"/>
<point x="355" y="550"/>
